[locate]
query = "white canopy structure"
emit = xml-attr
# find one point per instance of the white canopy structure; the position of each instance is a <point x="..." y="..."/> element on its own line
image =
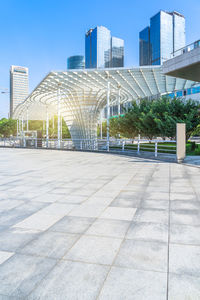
<point x="80" y="95"/>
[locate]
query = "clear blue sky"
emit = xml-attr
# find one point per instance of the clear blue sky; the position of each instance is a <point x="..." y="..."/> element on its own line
<point x="41" y="34"/>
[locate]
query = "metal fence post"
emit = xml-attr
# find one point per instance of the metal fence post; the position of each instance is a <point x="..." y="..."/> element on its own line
<point x="123" y="144"/>
<point x="156" y="149"/>
<point x="138" y="147"/>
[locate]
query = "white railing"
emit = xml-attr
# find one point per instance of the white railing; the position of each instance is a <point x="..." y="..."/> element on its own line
<point x="139" y="146"/>
<point x="186" y="49"/>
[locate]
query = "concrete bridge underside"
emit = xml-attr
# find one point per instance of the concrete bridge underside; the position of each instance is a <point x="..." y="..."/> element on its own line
<point x="185" y="66"/>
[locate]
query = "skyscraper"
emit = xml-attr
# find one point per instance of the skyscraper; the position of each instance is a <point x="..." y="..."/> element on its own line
<point x="102" y="50"/>
<point x="145" y="53"/>
<point x="117" y="53"/>
<point x="18" y="86"/>
<point x="76" y="62"/>
<point x="165" y="35"/>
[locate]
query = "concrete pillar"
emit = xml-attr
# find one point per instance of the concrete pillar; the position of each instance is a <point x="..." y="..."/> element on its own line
<point x="180" y="142"/>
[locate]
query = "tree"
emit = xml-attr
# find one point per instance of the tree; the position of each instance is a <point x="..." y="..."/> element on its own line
<point x="196" y="131"/>
<point x="8" y="127"/>
<point x="158" y="117"/>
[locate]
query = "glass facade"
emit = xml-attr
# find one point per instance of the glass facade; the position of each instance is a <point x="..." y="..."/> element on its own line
<point x="76" y="62"/>
<point x="166" y="35"/>
<point x="145" y="55"/>
<point x="102" y="50"/>
<point x="117" y="52"/>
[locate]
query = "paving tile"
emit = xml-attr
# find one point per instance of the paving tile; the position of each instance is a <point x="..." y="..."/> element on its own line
<point x="152" y="215"/>
<point x="185" y="234"/>
<point x="58" y="209"/>
<point x="99" y="201"/>
<point x="184" y="205"/>
<point x="184" y="259"/>
<point x="9" y="204"/>
<point x="50" y="244"/>
<point x="39" y="221"/>
<point x="3" y="297"/>
<point x="90" y="211"/>
<point x="132" y="284"/>
<point x="72" y="224"/>
<point x="73" y="199"/>
<point x="155" y="204"/>
<point x="108" y="227"/>
<point x="156" y="196"/>
<point x="20" y="274"/>
<point x="184" y="287"/>
<point x="182" y="196"/>
<point x="143" y="255"/>
<point x="187" y="217"/>
<point x="19" y="213"/>
<point x="14" y="238"/>
<point x="71" y="280"/>
<point x="92" y="249"/>
<point x="4" y="255"/>
<point x="119" y="213"/>
<point x="125" y="202"/>
<point x="148" y="231"/>
<point x="48" y="197"/>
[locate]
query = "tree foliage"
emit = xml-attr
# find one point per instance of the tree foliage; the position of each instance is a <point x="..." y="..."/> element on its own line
<point x="8" y="127"/>
<point x="157" y="118"/>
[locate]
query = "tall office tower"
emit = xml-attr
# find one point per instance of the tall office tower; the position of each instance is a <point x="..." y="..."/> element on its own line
<point x="76" y="62"/>
<point x="145" y="51"/>
<point x="165" y="35"/>
<point x="18" y="86"/>
<point x="102" y="50"/>
<point x="117" y="52"/>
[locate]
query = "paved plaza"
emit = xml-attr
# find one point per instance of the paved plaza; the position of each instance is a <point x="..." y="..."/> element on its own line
<point x="97" y="226"/>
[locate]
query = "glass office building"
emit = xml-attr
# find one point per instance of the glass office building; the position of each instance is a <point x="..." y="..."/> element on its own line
<point x="145" y="55"/>
<point x="18" y="86"/>
<point x="117" y="53"/>
<point x="102" y="50"/>
<point x="165" y="35"/>
<point x="76" y="62"/>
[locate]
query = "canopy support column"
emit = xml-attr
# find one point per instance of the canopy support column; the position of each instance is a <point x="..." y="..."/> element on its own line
<point x="118" y="104"/>
<point x="58" y="107"/>
<point x="108" y="115"/>
<point x="17" y="127"/>
<point x="101" y="120"/>
<point x="47" y="129"/>
<point x="27" y="119"/>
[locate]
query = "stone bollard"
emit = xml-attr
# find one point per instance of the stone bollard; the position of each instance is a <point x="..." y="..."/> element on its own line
<point x="180" y="142"/>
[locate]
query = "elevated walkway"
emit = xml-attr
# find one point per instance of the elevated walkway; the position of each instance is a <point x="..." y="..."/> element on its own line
<point x="185" y="63"/>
